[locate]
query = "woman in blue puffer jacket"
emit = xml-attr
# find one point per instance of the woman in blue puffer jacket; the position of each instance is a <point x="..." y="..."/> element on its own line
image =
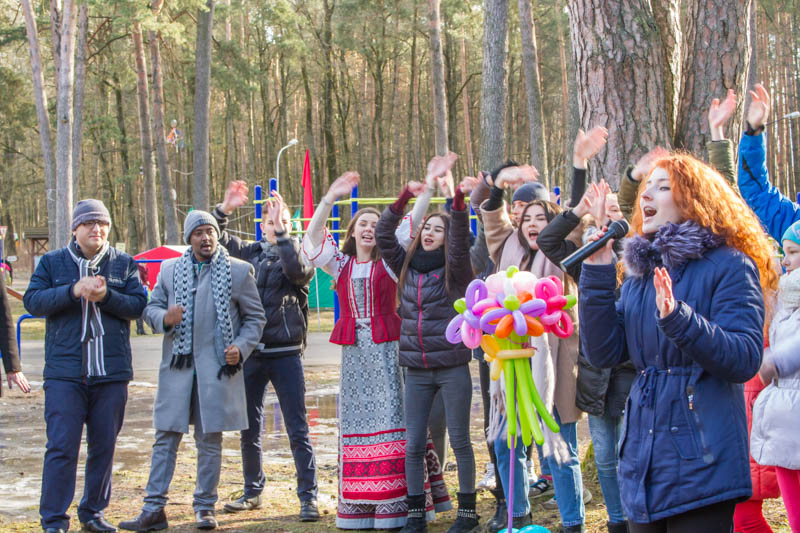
<point x="691" y="318"/>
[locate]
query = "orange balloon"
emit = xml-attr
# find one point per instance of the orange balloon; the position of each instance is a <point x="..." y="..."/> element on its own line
<point x="524" y="296"/>
<point x="535" y="328"/>
<point x="504" y="327"/>
<point x="490" y="346"/>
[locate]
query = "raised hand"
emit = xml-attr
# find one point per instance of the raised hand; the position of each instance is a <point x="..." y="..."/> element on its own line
<point x="598" y="208"/>
<point x="438" y="166"/>
<point x="758" y="111"/>
<point x="468" y="184"/>
<point x="516" y="176"/>
<point x="719" y="114"/>
<point x="235" y="196"/>
<point x="646" y="163"/>
<point x="665" y="301"/>
<point x="173" y="316"/>
<point x="415" y="187"/>
<point x="342" y="186"/>
<point x="275" y="209"/>
<point x="446" y="184"/>
<point x="587" y="145"/>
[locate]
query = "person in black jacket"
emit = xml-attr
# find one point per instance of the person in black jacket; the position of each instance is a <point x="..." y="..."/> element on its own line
<point x="89" y="292"/>
<point x="600" y="392"/>
<point x="434" y="272"/>
<point x="282" y="279"/>
<point x="8" y="348"/>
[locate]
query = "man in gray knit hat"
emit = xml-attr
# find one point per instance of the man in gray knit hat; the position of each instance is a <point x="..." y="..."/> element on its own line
<point x="88" y="292"/>
<point x="207" y="305"/>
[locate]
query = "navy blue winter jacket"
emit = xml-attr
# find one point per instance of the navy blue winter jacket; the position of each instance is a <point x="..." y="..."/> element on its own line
<point x="684" y="442"/>
<point x="50" y="295"/>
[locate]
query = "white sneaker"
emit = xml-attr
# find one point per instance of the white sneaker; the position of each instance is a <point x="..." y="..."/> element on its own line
<point x="488" y="482"/>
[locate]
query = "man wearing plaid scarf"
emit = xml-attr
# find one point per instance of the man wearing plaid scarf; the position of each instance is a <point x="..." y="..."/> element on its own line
<point x="89" y="293"/>
<point x="207" y="305"/>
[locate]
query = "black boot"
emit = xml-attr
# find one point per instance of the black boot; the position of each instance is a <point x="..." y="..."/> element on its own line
<point x="416" y="515"/>
<point x="619" y="527"/>
<point x="467" y="517"/>
<point x="500" y="518"/>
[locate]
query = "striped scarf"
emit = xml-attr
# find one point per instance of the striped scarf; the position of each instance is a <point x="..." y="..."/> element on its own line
<point x="221" y="282"/>
<point x="92" y="331"/>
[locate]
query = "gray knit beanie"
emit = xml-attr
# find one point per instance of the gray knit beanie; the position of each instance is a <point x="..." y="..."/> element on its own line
<point x="530" y="192"/>
<point x="197" y="218"/>
<point x="89" y="209"/>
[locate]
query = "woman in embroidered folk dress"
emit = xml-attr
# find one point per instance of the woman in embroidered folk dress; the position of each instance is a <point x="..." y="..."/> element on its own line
<point x="372" y="442"/>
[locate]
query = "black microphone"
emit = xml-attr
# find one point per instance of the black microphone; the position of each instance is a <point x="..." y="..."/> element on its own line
<point x="616" y="230"/>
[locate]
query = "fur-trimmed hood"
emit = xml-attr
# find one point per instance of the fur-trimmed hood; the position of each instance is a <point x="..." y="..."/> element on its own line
<point x="673" y="246"/>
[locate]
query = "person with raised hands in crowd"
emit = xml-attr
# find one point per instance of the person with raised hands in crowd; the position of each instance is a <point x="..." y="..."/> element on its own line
<point x="207" y="306"/>
<point x="282" y="279"/>
<point x="434" y="273"/>
<point x="690" y="317"/>
<point x="554" y="373"/>
<point x="372" y="493"/>
<point x="601" y="393"/>
<point x="89" y="292"/>
<point x="774" y="437"/>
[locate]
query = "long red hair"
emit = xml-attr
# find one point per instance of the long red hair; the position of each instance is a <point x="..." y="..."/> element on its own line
<point x="704" y="196"/>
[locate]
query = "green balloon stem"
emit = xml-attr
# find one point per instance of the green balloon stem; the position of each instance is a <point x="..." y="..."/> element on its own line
<point x="541" y="409"/>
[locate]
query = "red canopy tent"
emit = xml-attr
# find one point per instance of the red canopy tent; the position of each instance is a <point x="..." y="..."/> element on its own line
<point x="162" y="253"/>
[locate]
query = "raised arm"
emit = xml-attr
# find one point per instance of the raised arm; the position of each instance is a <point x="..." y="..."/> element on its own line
<point x="315" y="233"/>
<point x="438" y="171"/>
<point x="586" y="146"/>
<point x="720" y="149"/>
<point x="497" y="223"/>
<point x="458" y="242"/>
<point x="385" y="237"/>
<point x="235" y="197"/>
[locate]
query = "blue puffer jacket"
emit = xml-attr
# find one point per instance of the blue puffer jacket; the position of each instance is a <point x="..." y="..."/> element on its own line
<point x="774" y="210"/>
<point x="684" y="440"/>
<point x="50" y="295"/>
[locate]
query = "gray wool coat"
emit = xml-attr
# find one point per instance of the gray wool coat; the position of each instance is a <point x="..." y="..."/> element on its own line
<point x="223" y="405"/>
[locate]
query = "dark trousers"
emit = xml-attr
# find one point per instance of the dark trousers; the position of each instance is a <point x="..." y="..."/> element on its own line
<point x="286" y="376"/>
<point x="68" y="405"/>
<point x="717" y="517"/>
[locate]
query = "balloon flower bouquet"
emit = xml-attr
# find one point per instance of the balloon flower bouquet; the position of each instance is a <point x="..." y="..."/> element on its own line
<point x="500" y="315"/>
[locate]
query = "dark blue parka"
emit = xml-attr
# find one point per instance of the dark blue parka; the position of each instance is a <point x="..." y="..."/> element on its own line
<point x="50" y="295"/>
<point x="684" y="443"/>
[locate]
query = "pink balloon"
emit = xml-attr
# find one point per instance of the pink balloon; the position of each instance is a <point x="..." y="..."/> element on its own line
<point x="564" y="327"/>
<point x="556" y="303"/>
<point x="548" y="319"/>
<point x="559" y="285"/>
<point x="494" y="283"/>
<point x="453" y="331"/>
<point x="470" y="336"/>
<point x="545" y="289"/>
<point x="524" y="281"/>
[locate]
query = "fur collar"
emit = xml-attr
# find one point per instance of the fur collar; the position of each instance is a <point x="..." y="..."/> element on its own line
<point x="673" y="246"/>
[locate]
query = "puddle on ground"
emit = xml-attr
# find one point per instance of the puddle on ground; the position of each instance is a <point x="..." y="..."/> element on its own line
<point x="22" y="439"/>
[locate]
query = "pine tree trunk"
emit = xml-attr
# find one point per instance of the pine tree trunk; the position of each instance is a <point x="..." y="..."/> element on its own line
<point x="328" y="88"/>
<point x="437" y="80"/>
<point x="715" y="59"/>
<point x="127" y="176"/>
<point x="64" y="117"/>
<point x="533" y="89"/>
<point x="470" y="162"/>
<point x="151" y="231"/>
<point x="667" y="14"/>
<point x="493" y="84"/>
<point x="165" y="181"/>
<point x="620" y="80"/>
<point x="202" y="95"/>
<point x="80" y="84"/>
<point x="40" y="99"/>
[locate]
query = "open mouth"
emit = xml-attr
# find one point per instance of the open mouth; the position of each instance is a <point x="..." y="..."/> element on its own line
<point x="649" y="212"/>
<point x="366" y="237"/>
<point x="533" y="235"/>
<point x="427" y="242"/>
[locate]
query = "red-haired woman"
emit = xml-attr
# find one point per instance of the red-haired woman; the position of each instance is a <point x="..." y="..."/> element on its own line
<point x="372" y="433"/>
<point x="691" y="319"/>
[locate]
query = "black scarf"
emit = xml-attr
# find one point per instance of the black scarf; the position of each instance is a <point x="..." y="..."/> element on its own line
<point x="425" y="261"/>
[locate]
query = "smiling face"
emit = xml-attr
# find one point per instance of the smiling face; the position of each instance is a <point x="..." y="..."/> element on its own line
<point x="791" y="255"/>
<point x="657" y="203"/>
<point x="91" y="236"/>
<point x="613" y="211"/>
<point x="203" y="241"/>
<point x="364" y="230"/>
<point x="533" y="222"/>
<point x="432" y="236"/>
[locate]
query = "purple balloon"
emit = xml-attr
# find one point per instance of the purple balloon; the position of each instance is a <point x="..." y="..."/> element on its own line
<point x="453" y="331"/>
<point x="476" y="291"/>
<point x="471" y="319"/>
<point x="484" y="304"/>
<point x="520" y="325"/>
<point x="534" y="307"/>
<point x="494" y="314"/>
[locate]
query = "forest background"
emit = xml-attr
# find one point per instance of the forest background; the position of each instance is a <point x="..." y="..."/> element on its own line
<point x="90" y="90"/>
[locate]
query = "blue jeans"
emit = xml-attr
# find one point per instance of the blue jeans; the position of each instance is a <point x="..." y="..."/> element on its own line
<point x="68" y="406"/>
<point x="567" y="480"/>
<point x="521" y="505"/>
<point x="286" y="375"/>
<point x="543" y="465"/>
<point x="605" y="431"/>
